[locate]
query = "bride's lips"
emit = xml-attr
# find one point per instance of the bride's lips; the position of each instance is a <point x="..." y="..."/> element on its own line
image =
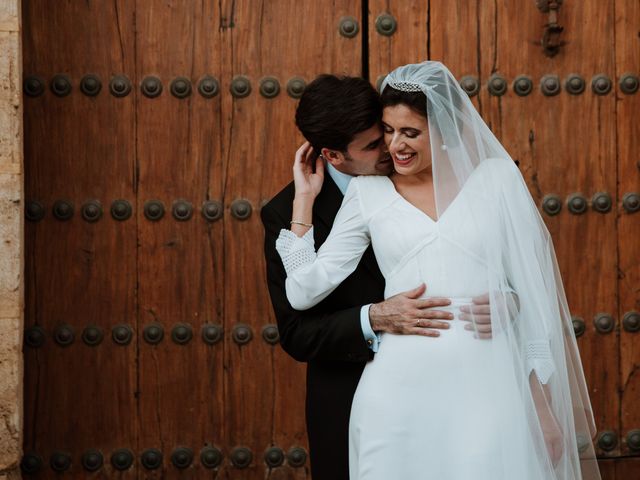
<point x="403" y="159"/>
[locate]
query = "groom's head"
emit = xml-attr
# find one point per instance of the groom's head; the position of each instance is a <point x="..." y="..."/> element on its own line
<point x="340" y="117"/>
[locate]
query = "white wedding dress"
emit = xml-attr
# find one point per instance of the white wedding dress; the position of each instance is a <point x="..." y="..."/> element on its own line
<point x="425" y="408"/>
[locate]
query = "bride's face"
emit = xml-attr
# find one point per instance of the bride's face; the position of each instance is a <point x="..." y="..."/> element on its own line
<point x="406" y="134"/>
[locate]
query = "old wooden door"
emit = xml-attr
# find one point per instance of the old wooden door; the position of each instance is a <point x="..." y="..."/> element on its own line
<point x="154" y="132"/>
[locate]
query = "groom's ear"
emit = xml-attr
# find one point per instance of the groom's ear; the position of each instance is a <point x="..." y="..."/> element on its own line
<point x="334" y="157"/>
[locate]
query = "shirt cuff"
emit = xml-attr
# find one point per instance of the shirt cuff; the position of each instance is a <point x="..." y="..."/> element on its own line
<point x="539" y="359"/>
<point x="295" y="251"/>
<point x="372" y="339"/>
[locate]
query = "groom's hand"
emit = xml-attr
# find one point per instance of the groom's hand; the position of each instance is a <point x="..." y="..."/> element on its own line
<point x="408" y="314"/>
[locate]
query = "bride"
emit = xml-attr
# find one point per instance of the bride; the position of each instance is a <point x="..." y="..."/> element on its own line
<point x="507" y="402"/>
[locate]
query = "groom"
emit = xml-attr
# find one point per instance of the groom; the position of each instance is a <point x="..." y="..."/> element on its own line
<point x="341" y="118"/>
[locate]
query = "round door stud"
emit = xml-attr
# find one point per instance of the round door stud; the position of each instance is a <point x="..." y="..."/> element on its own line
<point x="295" y="87"/>
<point x="274" y="457"/>
<point x="182" y="210"/>
<point x="151" y="87"/>
<point x="34" y="211"/>
<point x="61" y="85"/>
<point x="633" y="440"/>
<point x="92" y="460"/>
<point x="212" y="210"/>
<point x="151" y="458"/>
<point x="241" y="209"/>
<point x="208" y="86"/>
<point x="62" y="210"/>
<point x="631" y="202"/>
<point x="551" y="204"/>
<point x="212" y="333"/>
<point x="33" y="86"/>
<point x="631" y="322"/>
<point x="120" y="86"/>
<point x="60" y="462"/>
<point x="121" y="210"/>
<point x="211" y="457"/>
<point x="497" y="85"/>
<point x="31" y="463"/>
<point x="91" y="211"/>
<point x="550" y="85"/>
<point x="153" y="333"/>
<point x="241" y="457"/>
<point x="181" y="333"/>
<point x="154" y="210"/>
<point x="579" y="326"/>
<point x="269" y="87"/>
<point x="242" y="334"/>
<point x="34" y="336"/>
<point x="64" y="335"/>
<point x="386" y="24"/>
<point x="348" y="27"/>
<point x="523" y="86"/>
<point x="182" y="457"/>
<point x="577" y="203"/>
<point x="240" y="86"/>
<point x="574" y="84"/>
<point x="297" y="457"/>
<point x="92" y="335"/>
<point x="270" y="334"/>
<point x="607" y="441"/>
<point x="629" y="83"/>
<point x="604" y="323"/>
<point x="601" y="84"/>
<point x="470" y="84"/>
<point x="122" y="334"/>
<point x="90" y="85"/>
<point x="601" y="202"/>
<point x="180" y="87"/>
<point x="122" y="459"/>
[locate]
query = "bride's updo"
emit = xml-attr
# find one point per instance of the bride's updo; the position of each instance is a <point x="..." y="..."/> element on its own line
<point x="416" y="101"/>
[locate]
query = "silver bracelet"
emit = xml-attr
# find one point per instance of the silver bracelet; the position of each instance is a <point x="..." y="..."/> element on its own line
<point x="309" y="225"/>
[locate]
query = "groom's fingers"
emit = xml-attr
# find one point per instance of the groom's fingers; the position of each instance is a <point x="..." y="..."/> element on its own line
<point x="424" y="313"/>
<point x="432" y="302"/>
<point x="425" y="332"/>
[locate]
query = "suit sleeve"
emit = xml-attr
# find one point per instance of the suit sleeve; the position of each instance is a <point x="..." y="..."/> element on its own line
<point x="313" y="334"/>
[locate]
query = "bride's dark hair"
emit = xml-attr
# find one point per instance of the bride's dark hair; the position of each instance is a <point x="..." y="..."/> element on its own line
<point x="416" y="101"/>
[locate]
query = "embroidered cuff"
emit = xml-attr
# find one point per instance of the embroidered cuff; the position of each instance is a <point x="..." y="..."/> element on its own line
<point x="295" y="251"/>
<point x="539" y="359"/>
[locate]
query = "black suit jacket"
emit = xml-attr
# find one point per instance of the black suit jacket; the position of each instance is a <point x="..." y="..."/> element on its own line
<point x="328" y="336"/>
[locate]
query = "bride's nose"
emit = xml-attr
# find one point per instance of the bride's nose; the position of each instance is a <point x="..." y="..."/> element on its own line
<point x="395" y="144"/>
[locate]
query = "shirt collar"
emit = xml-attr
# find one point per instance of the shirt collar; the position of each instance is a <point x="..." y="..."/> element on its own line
<point x="340" y="179"/>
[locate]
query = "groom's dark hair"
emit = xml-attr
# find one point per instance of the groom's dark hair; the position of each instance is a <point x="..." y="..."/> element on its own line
<point x="332" y="110"/>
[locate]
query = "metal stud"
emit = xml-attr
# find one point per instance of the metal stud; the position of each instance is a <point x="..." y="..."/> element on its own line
<point x="270" y="334"/>
<point x="33" y="86"/>
<point x="631" y="322"/>
<point x="92" y="335"/>
<point x="211" y="457"/>
<point x="241" y="457"/>
<point x="182" y="457"/>
<point x="470" y="84"/>
<point x="579" y="326"/>
<point x="211" y="333"/>
<point x="121" y="210"/>
<point x="629" y="83"/>
<point x="633" y="440"/>
<point x="631" y="202"/>
<point x="92" y="460"/>
<point x="31" y="463"/>
<point x="61" y="85"/>
<point x="212" y="210"/>
<point x="120" y="86"/>
<point x="182" y="210"/>
<point x="386" y="24"/>
<point x="34" y="336"/>
<point x="242" y="334"/>
<point x="64" y="335"/>
<point x="154" y="210"/>
<point x="91" y="211"/>
<point x="153" y="333"/>
<point x="151" y="87"/>
<point x="180" y="87"/>
<point x="601" y="84"/>
<point x="181" y="333"/>
<point x="497" y="85"/>
<point x="90" y="85"/>
<point x="607" y="441"/>
<point x="34" y="211"/>
<point x="296" y="457"/>
<point x="551" y="204"/>
<point x="295" y="87"/>
<point x="348" y="27"/>
<point x="523" y="86"/>
<point x="274" y="457"/>
<point x="601" y="202"/>
<point x="62" y="210"/>
<point x="60" y="462"/>
<point x="577" y="203"/>
<point x="240" y="86"/>
<point x="574" y="84"/>
<point x="208" y="86"/>
<point x="604" y="323"/>
<point x="151" y="458"/>
<point x="122" y="459"/>
<point x="550" y="85"/>
<point x="269" y="87"/>
<point x="241" y="209"/>
<point x="122" y="334"/>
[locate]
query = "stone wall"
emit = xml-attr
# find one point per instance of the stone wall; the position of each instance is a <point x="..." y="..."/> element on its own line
<point x="11" y="240"/>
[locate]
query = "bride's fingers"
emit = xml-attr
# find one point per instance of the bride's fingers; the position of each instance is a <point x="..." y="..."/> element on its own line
<point x="301" y="154"/>
<point x="478" y="328"/>
<point x="483" y="309"/>
<point x="475" y="318"/>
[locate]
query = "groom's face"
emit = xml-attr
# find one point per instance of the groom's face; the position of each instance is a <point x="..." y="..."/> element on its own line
<point x="365" y="155"/>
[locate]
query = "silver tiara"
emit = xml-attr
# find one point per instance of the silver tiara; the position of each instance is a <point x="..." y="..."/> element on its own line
<point x="406" y="86"/>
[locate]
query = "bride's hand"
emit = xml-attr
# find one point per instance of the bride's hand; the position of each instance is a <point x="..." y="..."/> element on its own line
<point x="552" y="436"/>
<point x="307" y="182"/>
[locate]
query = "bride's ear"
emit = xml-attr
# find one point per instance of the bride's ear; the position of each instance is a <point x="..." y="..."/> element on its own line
<point x="332" y="156"/>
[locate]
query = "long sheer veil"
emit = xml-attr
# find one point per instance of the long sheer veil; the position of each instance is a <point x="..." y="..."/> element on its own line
<point x="533" y="345"/>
